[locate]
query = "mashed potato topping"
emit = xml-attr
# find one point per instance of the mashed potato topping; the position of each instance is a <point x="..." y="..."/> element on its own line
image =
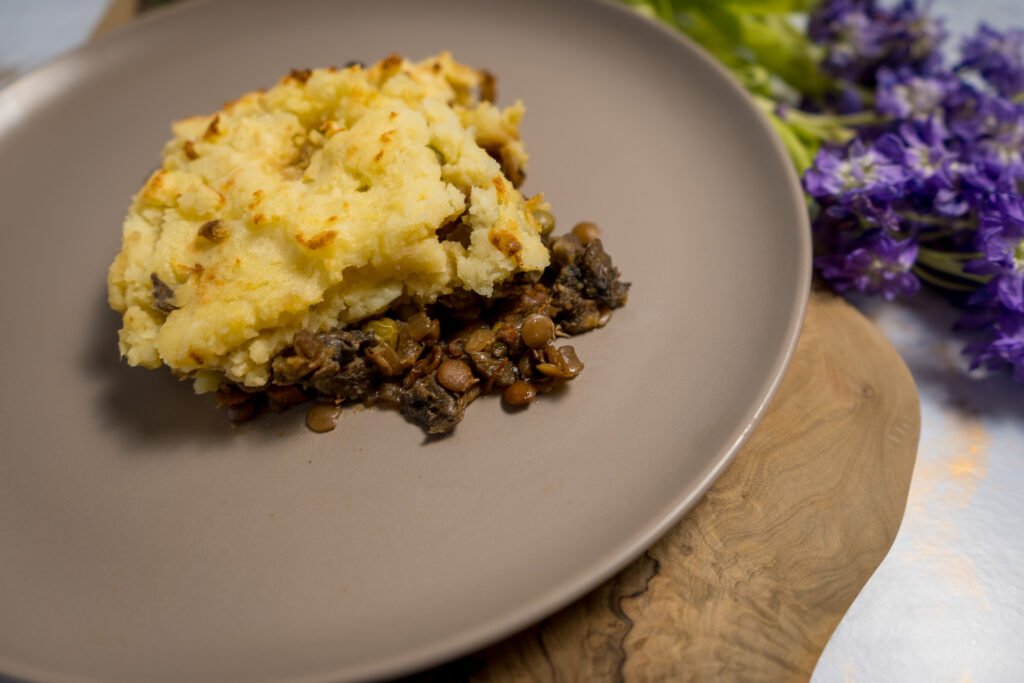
<point x="320" y="202"/>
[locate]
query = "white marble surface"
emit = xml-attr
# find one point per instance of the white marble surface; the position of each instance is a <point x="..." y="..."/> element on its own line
<point x="947" y="604"/>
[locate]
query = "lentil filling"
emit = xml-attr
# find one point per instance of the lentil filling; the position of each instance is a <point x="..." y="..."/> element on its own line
<point x="430" y="362"/>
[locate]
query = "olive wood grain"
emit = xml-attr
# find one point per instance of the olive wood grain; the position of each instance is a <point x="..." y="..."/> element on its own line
<point x="751" y="583"/>
<point x="119" y="13"/>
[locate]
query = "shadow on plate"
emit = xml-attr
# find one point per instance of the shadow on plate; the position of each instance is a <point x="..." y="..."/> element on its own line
<point x="146" y="406"/>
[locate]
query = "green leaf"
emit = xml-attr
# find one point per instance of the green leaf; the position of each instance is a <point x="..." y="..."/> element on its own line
<point x="739" y="37"/>
<point x="801" y="155"/>
<point x="771" y="6"/>
<point x="773" y="42"/>
<point x="758" y="41"/>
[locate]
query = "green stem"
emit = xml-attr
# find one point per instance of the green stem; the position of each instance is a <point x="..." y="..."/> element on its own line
<point x="940" y="282"/>
<point x="866" y="94"/>
<point x="798" y="153"/>
<point x="925" y="219"/>
<point x="932" y="236"/>
<point x="953" y="255"/>
<point x="861" y="118"/>
<point x="666" y="12"/>
<point x="950" y="263"/>
<point x="823" y="121"/>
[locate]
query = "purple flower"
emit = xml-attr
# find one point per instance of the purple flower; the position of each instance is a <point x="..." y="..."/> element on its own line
<point x="990" y="132"/>
<point x="980" y="178"/>
<point x="832" y="230"/>
<point x="846" y="29"/>
<point x="840" y="228"/>
<point x="906" y="95"/>
<point x="828" y="14"/>
<point x="922" y="149"/>
<point x="853" y="40"/>
<point x="915" y="38"/>
<point x="1002" y="135"/>
<point x="1004" y="347"/>
<point x="933" y="183"/>
<point x="996" y="57"/>
<point x="877" y="265"/>
<point x="841" y="173"/>
<point x="997" y="308"/>
<point x="1000" y="241"/>
<point x="967" y="110"/>
<point x="943" y="168"/>
<point x="859" y="36"/>
<point x="1002" y="214"/>
<point x="843" y="99"/>
<point x="951" y="202"/>
<point x="847" y="222"/>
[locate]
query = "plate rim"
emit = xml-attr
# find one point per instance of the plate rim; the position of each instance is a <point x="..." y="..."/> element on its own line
<point x="618" y="557"/>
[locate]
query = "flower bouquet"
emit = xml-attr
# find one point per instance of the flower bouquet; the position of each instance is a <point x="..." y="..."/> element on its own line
<point x="913" y="163"/>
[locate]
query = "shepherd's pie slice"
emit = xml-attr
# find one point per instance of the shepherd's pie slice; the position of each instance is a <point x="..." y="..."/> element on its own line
<point x="321" y="202"/>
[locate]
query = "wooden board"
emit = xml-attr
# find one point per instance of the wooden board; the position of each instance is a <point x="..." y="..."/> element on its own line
<point x="751" y="583"/>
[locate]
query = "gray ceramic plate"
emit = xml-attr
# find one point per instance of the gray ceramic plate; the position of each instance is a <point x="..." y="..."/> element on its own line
<point x="141" y="538"/>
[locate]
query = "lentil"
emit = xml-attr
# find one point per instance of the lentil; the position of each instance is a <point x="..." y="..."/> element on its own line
<point x="518" y="394"/>
<point x="546" y="220"/>
<point x="586" y="232"/>
<point x="455" y="375"/>
<point x="323" y="417"/>
<point x="537" y="331"/>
